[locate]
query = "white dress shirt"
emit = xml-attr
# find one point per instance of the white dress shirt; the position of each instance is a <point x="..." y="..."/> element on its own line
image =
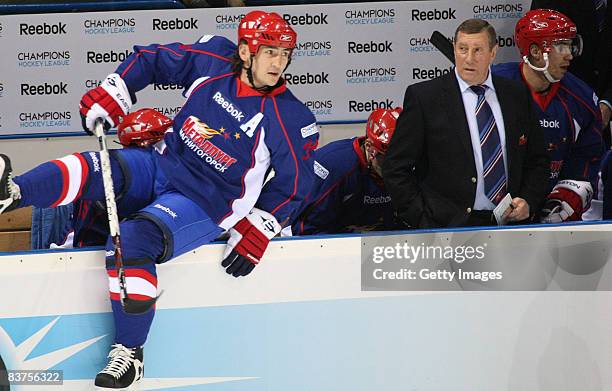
<point x="470" y="99"/>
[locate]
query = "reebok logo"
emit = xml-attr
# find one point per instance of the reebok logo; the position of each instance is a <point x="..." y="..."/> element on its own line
<point x="549" y="123"/>
<point x="308" y="78"/>
<point x="95" y="161"/>
<point x="166" y="209"/>
<point x="106" y="57"/>
<point x="360" y="107"/>
<point x="434" y="14"/>
<point x="370" y="47"/>
<point x="42" y="29"/>
<point x="305" y="20"/>
<point x="369" y="200"/>
<point x="44" y="89"/>
<point x="425" y="74"/>
<point x="175" y="24"/>
<point x="505" y="42"/>
<point x="166" y="87"/>
<point x="229" y="107"/>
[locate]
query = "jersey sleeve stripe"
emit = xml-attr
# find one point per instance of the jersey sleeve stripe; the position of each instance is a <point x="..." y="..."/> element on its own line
<point x="206" y="81"/>
<point x="579" y="99"/>
<point x="125" y="71"/>
<point x="295" y="161"/>
<point x="209" y="54"/>
<point x="335" y="185"/>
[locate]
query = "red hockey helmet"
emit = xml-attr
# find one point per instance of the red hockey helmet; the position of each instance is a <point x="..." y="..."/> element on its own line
<point x="269" y="29"/>
<point x="380" y="128"/>
<point x="142" y="128"/>
<point x="545" y="28"/>
<point x="249" y="24"/>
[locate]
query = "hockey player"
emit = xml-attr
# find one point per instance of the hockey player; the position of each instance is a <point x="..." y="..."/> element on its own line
<point x="548" y="41"/>
<point x="238" y="122"/>
<point x="348" y="193"/>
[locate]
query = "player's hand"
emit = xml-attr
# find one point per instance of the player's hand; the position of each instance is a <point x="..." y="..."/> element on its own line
<point x="517" y="211"/>
<point x="606" y="114"/>
<point x="248" y="241"/>
<point x="567" y="201"/>
<point x="109" y="101"/>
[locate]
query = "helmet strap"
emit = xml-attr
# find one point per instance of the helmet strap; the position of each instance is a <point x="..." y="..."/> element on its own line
<point x="544" y="69"/>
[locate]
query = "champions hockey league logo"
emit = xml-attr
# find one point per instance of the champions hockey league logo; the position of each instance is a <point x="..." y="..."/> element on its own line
<point x="498" y="11"/>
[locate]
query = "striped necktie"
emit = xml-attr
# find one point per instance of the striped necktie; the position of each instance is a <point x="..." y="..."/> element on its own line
<point x="493" y="170"/>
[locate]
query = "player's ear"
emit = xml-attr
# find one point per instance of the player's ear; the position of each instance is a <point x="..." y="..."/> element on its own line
<point x="535" y="52"/>
<point x="245" y="55"/>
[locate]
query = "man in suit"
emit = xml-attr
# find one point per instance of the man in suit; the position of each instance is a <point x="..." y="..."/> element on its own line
<point x="593" y="19"/>
<point x="464" y="141"/>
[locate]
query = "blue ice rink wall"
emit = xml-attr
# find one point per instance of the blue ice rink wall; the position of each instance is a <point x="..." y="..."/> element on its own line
<point x="302" y="322"/>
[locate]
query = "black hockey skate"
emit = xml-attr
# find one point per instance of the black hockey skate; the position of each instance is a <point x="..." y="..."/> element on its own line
<point x="9" y="191"/>
<point x="125" y="369"/>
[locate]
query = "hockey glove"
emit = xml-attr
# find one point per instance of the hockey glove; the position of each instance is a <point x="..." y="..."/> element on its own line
<point x="248" y="241"/>
<point x="567" y="201"/>
<point x="110" y="101"/>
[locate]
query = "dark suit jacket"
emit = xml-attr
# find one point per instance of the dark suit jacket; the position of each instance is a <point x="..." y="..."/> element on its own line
<point x="594" y="66"/>
<point x="429" y="168"/>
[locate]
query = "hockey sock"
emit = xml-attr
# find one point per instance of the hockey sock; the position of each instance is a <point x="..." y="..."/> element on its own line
<point x="142" y="243"/>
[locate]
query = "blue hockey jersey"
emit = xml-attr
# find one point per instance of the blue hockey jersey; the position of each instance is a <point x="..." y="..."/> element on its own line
<point x="345" y="196"/>
<point x="227" y="136"/>
<point x="572" y="125"/>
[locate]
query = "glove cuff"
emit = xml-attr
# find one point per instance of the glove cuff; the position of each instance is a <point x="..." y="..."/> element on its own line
<point x="582" y="189"/>
<point x="117" y="89"/>
<point x="264" y="222"/>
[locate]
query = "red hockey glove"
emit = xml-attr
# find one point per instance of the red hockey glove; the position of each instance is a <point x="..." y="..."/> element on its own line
<point x="109" y="101"/>
<point x="567" y="201"/>
<point x="248" y="241"/>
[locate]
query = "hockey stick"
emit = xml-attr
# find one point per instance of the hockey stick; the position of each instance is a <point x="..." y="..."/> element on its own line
<point x="443" y="44"/>
<point x="129" y="306"/>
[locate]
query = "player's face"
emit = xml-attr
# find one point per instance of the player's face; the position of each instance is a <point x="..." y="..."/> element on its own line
<point x="269" y="64"/>
<point x="375" y="158"/>
<point x="559" y="59"/>
<point x="473" y="56"/>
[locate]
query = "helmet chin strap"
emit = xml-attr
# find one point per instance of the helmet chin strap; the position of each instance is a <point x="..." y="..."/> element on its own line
<point x="544" y="69"/>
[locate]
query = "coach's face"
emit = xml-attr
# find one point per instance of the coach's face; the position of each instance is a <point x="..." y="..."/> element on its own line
<point x="473" y="56"/>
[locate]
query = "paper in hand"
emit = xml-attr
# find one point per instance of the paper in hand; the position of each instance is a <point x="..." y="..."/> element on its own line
<point x="501" y="208"/>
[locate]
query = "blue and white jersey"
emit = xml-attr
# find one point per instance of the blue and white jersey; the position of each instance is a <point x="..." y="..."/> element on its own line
<point x="571" y="122"/>
<point x="345" y="196"/>
<point x="227" y="136"/>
